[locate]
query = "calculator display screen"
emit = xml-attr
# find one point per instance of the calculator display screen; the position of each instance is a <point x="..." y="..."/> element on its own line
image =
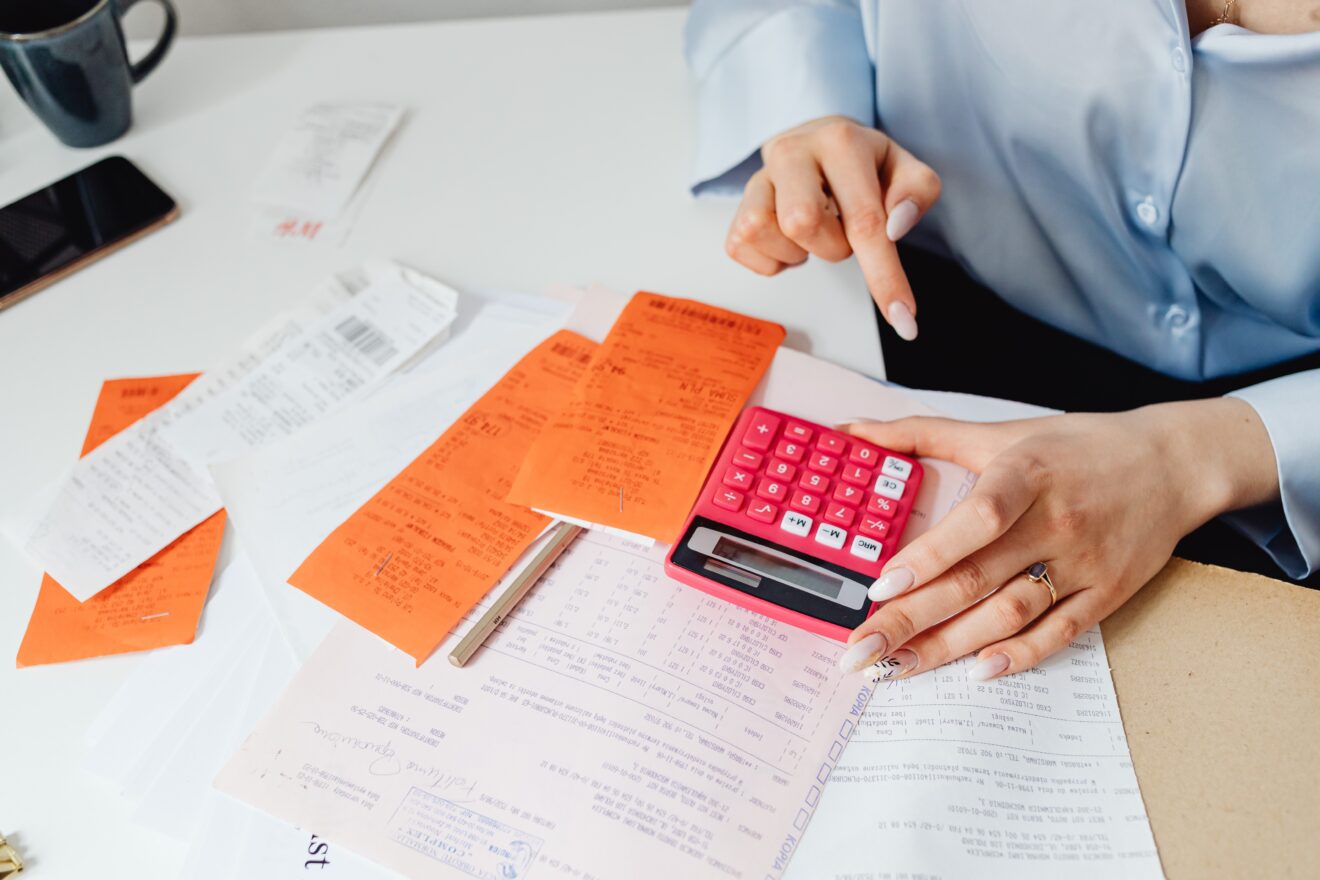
<point x="780" y="569"/>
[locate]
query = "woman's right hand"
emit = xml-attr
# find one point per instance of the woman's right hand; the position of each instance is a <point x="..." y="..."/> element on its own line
<point x="834" y="188"/>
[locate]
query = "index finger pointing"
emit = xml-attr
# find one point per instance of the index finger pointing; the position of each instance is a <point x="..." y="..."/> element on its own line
<point x="854" y="180"/>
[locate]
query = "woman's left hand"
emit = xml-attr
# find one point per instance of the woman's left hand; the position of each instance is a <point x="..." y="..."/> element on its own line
<point x="1101" y="499"/>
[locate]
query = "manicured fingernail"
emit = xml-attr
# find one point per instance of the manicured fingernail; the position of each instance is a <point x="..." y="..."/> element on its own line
<point x="901" y="661"/>
<point x="890" y="584"/>
<point x="862" y="652"/>
<point x="901" y="219"/>
<point x="988" y="667"/>
<point x="901" y="319"/>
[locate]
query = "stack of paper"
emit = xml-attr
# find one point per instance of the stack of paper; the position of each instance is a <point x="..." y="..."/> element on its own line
<point x="617" y="723"/>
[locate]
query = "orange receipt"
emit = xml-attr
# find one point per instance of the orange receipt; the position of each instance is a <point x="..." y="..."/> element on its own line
<point x="642" y="429"/>
<point x="409" y="563"/>
<point x="156" y="604"/>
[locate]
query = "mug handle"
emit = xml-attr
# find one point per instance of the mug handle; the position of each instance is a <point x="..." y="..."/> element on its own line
<point x="139" y="70"/>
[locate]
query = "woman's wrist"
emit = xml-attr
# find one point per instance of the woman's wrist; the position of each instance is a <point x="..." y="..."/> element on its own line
<point x="1219" y="454"/>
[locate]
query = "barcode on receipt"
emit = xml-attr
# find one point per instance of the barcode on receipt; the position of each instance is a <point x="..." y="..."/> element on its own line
<point x="367" y="338"/>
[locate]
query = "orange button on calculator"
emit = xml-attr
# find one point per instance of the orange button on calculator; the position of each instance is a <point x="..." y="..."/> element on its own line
<point x="796" y="521"/>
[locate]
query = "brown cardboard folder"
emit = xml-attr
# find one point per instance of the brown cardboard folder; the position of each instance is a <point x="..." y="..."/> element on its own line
<point x="1218" y="679"/>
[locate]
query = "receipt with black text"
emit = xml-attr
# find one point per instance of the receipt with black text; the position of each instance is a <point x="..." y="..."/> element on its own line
<point x="137" y="492"/>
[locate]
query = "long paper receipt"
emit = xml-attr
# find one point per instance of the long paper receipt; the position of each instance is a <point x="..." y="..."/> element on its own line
<point x="411" y="561"/>
<point x="618" y="725"/>
<point x="634" y="443"/>
<point x="156" y="604"/>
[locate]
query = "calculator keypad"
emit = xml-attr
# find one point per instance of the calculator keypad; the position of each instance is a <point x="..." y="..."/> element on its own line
<point x="807" y="487"/>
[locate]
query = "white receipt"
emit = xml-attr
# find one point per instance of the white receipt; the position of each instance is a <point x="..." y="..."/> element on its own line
<point x="146" y="486"/>
<point x="320" y="162"/>
<point x="337" y="360"/>
<point x="1026" y="776"/>
<point x="618" y="725"/>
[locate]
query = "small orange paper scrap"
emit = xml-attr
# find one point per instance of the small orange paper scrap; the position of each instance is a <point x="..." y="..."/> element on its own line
<point x="409" y="563"/>
<point x="156" y="604"/>
<point x="635" y="442"/>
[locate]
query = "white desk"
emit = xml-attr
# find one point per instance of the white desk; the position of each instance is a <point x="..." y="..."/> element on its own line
<point x="535" y="151"/>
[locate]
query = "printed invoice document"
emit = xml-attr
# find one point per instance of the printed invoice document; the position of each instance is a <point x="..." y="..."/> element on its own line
<point x="622" y="725"/>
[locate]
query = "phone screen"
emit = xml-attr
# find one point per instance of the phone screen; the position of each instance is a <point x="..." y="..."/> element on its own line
<point x="88" y="211"/>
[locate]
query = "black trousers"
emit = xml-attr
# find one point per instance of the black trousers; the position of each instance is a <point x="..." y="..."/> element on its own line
<point x="972" y="341"/>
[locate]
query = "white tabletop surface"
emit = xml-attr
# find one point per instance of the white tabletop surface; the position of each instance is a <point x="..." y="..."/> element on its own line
<point x="535" y="151"/>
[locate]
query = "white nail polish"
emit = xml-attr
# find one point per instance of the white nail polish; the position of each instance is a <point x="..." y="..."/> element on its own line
<point x="988" y="668"/>
<point x="890" y="584"/>
<point x="901" y="219"/>
<point x="862" y="652"/>
<point x="901" y="319"/>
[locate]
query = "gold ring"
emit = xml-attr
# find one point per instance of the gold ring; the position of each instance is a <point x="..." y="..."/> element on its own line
<point x="1039" y="573"/>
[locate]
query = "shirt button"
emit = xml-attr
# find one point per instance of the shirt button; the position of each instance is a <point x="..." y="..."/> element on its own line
<point x="1147" y="212"/>
<point x="1179" y="59"/>
<point x="1176" y="317"/>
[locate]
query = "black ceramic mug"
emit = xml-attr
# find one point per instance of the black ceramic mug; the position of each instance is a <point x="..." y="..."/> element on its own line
<point x="68" y="61"/>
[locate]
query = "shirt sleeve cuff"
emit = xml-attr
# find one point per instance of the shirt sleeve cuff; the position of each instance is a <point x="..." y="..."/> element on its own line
<point x="1290" y="530"/>
<point x="797" y="65"/>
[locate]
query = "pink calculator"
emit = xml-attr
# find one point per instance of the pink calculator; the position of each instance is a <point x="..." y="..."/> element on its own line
<point x="796" y="521"/>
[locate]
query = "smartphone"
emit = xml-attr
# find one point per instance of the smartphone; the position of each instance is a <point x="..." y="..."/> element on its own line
<point x="55" y="231"/>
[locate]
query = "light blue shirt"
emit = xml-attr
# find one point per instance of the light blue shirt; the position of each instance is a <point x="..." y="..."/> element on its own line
<point x="1156" y="194"/>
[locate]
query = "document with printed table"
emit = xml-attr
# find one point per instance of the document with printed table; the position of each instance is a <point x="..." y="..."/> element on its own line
<point x="674" y="735"/>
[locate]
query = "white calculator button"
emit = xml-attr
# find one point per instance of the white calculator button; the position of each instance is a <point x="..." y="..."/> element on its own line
<point x="865" y="548"/>
<point x="889" y="487"/>
<point x="830" y="536"/>
<point x="796" y="523"/>
<point x="896" y="468"/>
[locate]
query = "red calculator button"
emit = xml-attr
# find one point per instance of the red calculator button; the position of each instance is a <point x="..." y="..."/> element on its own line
<point x="822" y="463"/>
<point x="737" y="478"/>
<point x="761" y="432"/>
<point x="805" y="502"/>
<point x="790" y="451"/>
<point x="799" y="432"/>
<point x="728" y="499"/>
<point x="748" y="459"/>
<point x="834" y="444"/>
<point x="771" y="491"/>
<point x="762" y="510"/>
<point x="817" y="483"/>
<point x="849" y="495"/>
<point x="840" y="514"/>
<point x="864" y="455"/>
<point x="874" y="526"/>
<point x="780" y="470"/>
<point x="880" y="506"/>
<point x="855" y="474"/>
